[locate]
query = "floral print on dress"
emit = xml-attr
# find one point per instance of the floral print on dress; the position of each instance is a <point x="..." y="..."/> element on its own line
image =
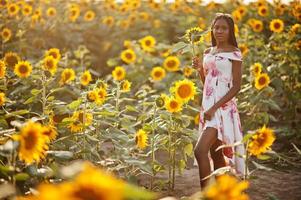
<point x="218" y="81"/>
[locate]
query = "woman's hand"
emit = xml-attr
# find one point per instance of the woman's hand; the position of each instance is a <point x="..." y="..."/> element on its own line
<point x="196" y="62"/>
<point x="209" y="113"/>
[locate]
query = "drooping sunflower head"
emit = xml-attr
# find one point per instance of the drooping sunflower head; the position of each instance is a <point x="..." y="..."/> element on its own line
<point x="126" y="86"/>
<point x="67" y="76"/>
<point x="184" y="90"/>
<point x="51" y="12"/>
<point x="74" y="12"/>
<point x="187" y="71"/>
<point x="11" y="59"/>
<point x="86" y="78"/>
<point x="50" y="64"/>
<point x="158" y="73"/>
<point x="148" y="43"/>
<point x="256" y="68"/>
<point x="173" y="105"/>
<point x="295" y="29"/>
<point x="79" y="120"/>
<point x="171" y="63"/>
<point x="194" y="35"/>
<point x="118" y="73"/>
<point x="92" y="95"/>
<point x="101" y="95"/>
<point x="262" y="81"/>
<point x="89" y="16"/>
<point x="2" y="68"/>
<point x="2" y="98"/>
<point x="141" y="139"/>
<point x="128" y="56"/>
<point x="54" y="52"/>
<point x="276" y="25"/>
<point x="32" y="142"/>
<point x="261" y="141"/>
<point x="227" y="187"/>
<point x="6" y="34"/>
<point x="108" y="21"/>
<point x="23" y="69"/>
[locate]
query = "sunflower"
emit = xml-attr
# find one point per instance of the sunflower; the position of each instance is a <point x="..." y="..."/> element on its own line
<point x="144" y="16"/>
<point x="86" y="78"/>
<point x="202" y="23"/>
<point x="276" y="25"/>
<point x="165" y="52"/>
<point x="99" y="185"/>
<point x="67" y="76"/>
<point x="108" y="20"/>
<point x="27" y="10"/>
<point x="148" y="43"/>
<point x="157" y="23"/>
<point x="127" y="44"/>
<point x="173" y="105"/>
<point x="261" y="141"/>
<point x="298" y="45"/>
<point x="295" y="29"/>
<point x="257" y="26"/>
<point x="74" y="12"/>
<point x="32" y="142"/>
<point x="54" y="52"/>
<point x="243" y="48"/>
<point x="236" y="15"/>
<point x="118" y="73"/>
<point x="194" y="35"/>
<point x="50" y="132"/>
<point x="158" y="73"/>
<point x="124" y="24"/>
<point x="2" y="98"/>
<point x="141" y="139"/>
<point x="3" y="3"/>
<point x="89" y="16"/>
<point x="184" y="90"/>
<point x="6" y="34"/>
<point x="263" y="11"/>
<point x="128" y="56"/>
<point x="50" y="64"/>
<point x="13" y="9"/>
<point x="23" y="69"/>
<point x="92" y="96"/>
<point x="101" y="95"/>
<point x="51" y="12"/>
<point x="126" y="86"/>
<point x="79" y="120"/>
<point x="256" y="68"/>
<point x="2" y="69"/>
<point x="262" y="81"/>
<point x="226" y="187"/>
<point x="11" y="59"/>
<point x="242" y="10"/>
<point x="187" y="71"/>
<point x="171" y="63"/>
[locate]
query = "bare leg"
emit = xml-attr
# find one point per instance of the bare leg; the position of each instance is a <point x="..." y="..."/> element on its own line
<point x="201" y="151"/>
<point x="217" y="156"/>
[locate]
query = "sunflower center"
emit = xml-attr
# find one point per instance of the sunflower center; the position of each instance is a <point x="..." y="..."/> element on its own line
<point x="30" y="140"/>
<point x="262" y="80"/>
<point x="263" y="10"/>
<point x="85" y="77"/>
<point x="257" y="26"/>
<point x="88" y="193"/>
<point x="5" y="34"/>
<point x="50" y="64"/>
<point x="184" y="91"/>
<point x="67" y="75"/>
<point x="12" y="9"/>
<point x="171" y="63"/>
<point x="101" y="94"/>
<point x="173" y="104"/>
<point x="81" y="117"/>
<point x="128" y="55"/>
<point x="148" y="43"/>
<point x="23" y="69"/>
<point x="277" y="25"/>
<point x="158" y="74"/>
<point x="119" y="73"/>
<point x="53" y="54"/>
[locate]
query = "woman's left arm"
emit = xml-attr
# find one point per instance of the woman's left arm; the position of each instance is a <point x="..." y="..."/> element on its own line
<point x="236" y="73"/>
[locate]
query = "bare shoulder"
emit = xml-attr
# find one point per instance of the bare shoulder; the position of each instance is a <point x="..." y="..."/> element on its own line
<point x="207" y="50"/>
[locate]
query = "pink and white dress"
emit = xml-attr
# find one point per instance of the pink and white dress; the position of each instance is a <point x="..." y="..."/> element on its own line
<point x="218" y="72"/>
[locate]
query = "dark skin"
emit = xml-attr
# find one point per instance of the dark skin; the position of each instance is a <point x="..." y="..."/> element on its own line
<point x="208" y="141"/>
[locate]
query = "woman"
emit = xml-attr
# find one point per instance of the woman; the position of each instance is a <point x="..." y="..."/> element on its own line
<point x="220" y="73"/>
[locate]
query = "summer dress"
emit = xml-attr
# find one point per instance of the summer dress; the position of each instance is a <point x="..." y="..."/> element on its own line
<point x="218" y="72"/>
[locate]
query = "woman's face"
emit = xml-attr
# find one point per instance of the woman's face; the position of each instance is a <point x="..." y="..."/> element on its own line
<point x="221" y="30"/>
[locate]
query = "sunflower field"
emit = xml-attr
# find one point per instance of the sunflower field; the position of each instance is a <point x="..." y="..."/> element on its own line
<point x="98" y="99"/>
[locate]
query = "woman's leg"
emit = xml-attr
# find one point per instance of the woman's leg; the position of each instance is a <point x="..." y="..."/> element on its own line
<point x="201" y="151"/>
<point x="217" y="156"/>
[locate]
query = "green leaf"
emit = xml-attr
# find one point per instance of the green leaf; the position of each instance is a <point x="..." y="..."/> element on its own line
<point x="137" y="193"/>
<point x="263" y="157"/>
<point x="179" y="46"/>
<point x="75" y="104"/>
<point x="188" y="149"/>
<point x="21" y="177"/>
<point x="35" y="92"/>
<point x="30" y="100"/>
<point x="17" y="113"/>
<point x="64" y="155"/>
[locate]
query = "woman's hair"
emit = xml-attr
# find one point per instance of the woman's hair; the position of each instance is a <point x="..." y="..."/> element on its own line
<point x="230" y="22"/>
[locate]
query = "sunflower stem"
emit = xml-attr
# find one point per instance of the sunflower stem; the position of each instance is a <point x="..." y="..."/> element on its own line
<point x="246" y="161"/>
<point x="152" y="148"/>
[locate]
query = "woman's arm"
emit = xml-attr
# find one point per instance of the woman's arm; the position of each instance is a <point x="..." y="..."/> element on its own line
<point x="201" y="73"/>
<point x="198" y="64"/>
<point x="237" y="73"/>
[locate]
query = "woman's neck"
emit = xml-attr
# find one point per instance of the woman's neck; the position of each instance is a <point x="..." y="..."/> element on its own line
<point x="222" y="45"/>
